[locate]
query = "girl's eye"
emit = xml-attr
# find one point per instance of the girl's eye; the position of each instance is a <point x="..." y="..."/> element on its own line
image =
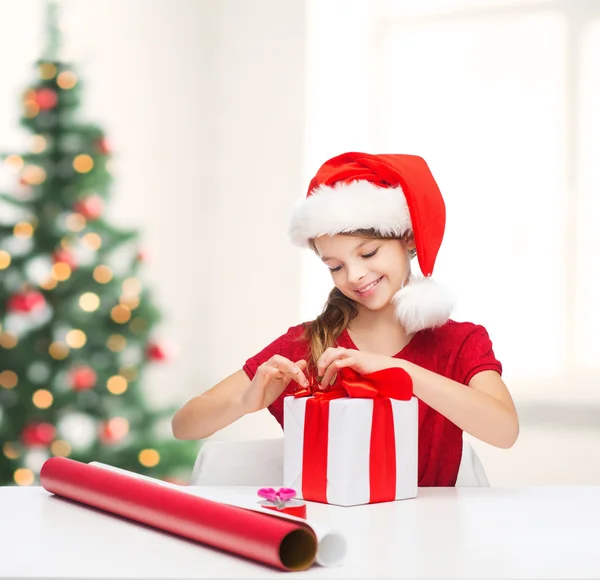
<point x="370" y="254"/>
<point x="336" y="269"/>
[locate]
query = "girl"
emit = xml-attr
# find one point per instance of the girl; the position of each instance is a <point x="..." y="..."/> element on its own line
<point x="366" y="216"/>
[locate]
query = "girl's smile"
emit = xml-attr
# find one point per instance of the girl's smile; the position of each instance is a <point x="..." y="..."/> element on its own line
<point x="368" y="289"/>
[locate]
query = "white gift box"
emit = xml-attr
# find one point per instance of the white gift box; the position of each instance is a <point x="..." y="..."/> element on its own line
<point x="348" y="452"/>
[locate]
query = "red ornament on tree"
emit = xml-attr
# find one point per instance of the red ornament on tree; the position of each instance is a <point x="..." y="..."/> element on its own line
<point x="46" y="99"/>
<point x="103" y="147"/>
<point x="26" y="302"/>
<point x="114" y="430"/>
<point x="91" y="207"/>
<point x="156" y="352"/>
<point x="82" y="378"/>
<point x="38" y="434"/>
<point x="65" y="256"/>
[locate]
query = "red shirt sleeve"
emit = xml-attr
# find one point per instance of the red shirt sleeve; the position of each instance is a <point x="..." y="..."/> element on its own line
<point x="290" y="345"/>
<point x="293" y="346"/>
<point x="475" y="355"/>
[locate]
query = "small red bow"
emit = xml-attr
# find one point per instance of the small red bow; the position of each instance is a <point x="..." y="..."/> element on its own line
<point x="392" y="383"/>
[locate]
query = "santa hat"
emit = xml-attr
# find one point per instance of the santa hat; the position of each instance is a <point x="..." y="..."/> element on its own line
<point x="391" y="194"/>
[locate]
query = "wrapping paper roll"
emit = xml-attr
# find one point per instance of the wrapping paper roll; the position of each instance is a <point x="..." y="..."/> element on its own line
<point x="284" y="543"/>
<point x="331" y="548"/>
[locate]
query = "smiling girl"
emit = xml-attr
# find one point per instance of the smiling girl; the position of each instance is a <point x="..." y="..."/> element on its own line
<point x="366" y="216"/>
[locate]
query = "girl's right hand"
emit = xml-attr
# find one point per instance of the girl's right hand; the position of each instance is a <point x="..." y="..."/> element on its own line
<point x="271" y="379"/>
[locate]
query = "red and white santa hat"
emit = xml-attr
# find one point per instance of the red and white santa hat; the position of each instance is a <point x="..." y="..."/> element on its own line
<point x="392" y="194"/>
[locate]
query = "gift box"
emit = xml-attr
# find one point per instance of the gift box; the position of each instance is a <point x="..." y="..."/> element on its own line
<point x="356" y="443"/>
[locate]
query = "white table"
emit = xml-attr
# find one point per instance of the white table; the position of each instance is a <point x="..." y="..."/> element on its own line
<point x="543" y="532"/>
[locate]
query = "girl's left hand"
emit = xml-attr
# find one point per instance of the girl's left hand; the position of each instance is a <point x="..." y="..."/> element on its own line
<point x="334" y="359"/>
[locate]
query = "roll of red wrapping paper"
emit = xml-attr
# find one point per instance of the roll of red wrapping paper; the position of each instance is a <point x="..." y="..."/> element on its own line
<point x="278" y="542"/>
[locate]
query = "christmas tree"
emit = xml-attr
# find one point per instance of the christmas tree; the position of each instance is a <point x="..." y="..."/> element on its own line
<point x="76" y="320"/>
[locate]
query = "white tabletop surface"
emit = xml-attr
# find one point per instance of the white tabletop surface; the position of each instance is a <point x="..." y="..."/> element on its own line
<point x="542" y="532"/>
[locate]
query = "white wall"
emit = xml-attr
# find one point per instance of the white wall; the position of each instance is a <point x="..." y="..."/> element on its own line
<point x="203" y="102"/>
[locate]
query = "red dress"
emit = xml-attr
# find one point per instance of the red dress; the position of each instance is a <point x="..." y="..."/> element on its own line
<point x="456" y="350"/>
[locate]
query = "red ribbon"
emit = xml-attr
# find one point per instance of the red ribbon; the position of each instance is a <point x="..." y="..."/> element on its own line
<point x="381" y="386"/>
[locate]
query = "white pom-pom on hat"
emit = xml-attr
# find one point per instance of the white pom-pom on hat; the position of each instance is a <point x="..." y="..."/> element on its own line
<point x="423" y="303"/>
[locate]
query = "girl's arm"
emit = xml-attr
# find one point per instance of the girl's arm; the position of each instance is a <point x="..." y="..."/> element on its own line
<point x="483" y="409"/>
<point x="209" y="412"/>
<point x="235" y="397"/>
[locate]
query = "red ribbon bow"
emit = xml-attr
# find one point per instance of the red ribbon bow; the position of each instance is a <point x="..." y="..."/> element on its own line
<point x="381" y="386"/>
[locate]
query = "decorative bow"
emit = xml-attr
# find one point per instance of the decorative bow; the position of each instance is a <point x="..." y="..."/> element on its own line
<point x="392" y="383"/>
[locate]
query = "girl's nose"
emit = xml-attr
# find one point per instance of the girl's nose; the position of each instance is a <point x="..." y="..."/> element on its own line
<point x="355" y="274"/>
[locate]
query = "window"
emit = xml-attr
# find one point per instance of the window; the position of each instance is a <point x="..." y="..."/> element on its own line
<point x="500" y="100"/>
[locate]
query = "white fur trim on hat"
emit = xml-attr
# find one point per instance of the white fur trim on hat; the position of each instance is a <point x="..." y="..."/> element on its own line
<point x="359" y="205"/>
<point x="423" y="303"/>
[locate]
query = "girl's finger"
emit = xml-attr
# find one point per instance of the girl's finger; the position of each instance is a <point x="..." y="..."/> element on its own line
<point x="283" y="363"/>
<point x="274" y="373"/>
<point x="264" y="374"/>
<point x="330" y="355"/>
<point x="302" y="365"/>
<point x="329" y="372"/>
<point x="300" y="378"/>
<point x="345" y="362"/>
<point x="335" y="367"/>
<point x="267" y="370"/>
<point x="289" y="369"/>
<point x="295" y="373"/>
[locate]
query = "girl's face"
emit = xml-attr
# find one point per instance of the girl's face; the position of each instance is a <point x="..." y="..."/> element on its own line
<point x="367" y="270"/>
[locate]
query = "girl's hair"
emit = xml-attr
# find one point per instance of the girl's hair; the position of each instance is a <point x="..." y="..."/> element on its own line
<point x="339" y="310"/>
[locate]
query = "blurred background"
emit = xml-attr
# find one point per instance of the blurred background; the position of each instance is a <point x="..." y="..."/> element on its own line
<point x="219" y="113"/>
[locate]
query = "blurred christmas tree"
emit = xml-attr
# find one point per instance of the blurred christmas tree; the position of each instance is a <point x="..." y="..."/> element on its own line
<point x="75" y="319"/>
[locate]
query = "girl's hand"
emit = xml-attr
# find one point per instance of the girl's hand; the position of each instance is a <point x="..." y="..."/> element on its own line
<point x="270" y="380"/>
<point x="334" y="359"/>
